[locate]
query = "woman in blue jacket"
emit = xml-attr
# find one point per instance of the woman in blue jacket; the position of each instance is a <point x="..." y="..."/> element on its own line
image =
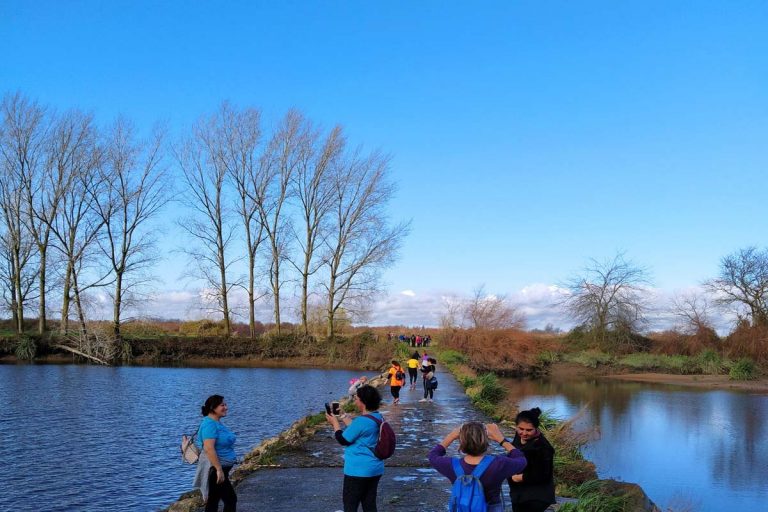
<point x="362" y="469"/>
<point x="217" y="457"/>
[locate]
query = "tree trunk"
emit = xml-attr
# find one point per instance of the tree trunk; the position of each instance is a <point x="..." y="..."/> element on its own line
<point x="41" y="323"/>
<point x="276" y="290"/>
<point x="117" y="305"/>
<point x="64" y="327"/>
<point x="224" y="299"/>
<point x="79" y="304"/>
<point x="19" y="295"/>
<point x="331" y="295"/>
<point x="251" y="305"/>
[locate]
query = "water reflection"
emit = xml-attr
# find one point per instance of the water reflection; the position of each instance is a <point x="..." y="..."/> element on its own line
<point x="92" y="438"/>
<point x="707" y="448"/>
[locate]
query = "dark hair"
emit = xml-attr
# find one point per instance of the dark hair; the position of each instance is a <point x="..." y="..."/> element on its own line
<point x="432" y="360"/>
<point x="370" y="397"/>
<point x="395" y="363"/>
<point x="416" y="355"/>
<point x="213" y="402"/>
<point x="530" y="416"/>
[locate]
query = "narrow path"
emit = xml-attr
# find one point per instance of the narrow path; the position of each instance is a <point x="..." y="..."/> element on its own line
<point x="310" y="479"/>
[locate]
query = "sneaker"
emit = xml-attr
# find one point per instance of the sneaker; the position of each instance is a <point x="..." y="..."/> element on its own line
<point x="430" y="400"/>
<point x="423" y="400"/>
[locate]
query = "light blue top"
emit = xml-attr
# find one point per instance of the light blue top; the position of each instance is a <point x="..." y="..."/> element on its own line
<point x="359" y="459"/>
<point x="225" y="440"/>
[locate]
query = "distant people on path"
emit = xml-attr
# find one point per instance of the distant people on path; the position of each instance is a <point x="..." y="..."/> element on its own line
<point x="533" y="489"/>
<point x="489" y="470"/>
<point x="362" y="469"/>
<point x="217" y="457"/>
<point x="355" y="384"/>
<point x="427" y="374"/>
<point x="396" y="381"/>
<point x="413" y="369"/>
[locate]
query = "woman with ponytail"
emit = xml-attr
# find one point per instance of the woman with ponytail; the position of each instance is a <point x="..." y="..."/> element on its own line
<point x="217" y="457"/>
<point x="533" y="490"/>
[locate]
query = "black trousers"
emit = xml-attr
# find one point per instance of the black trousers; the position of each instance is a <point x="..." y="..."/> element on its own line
<point x="395" y="390"/>
<point x="220" y="492"/>
<point x="413" y="373"/>
<point x="428" y="391"/>
<point x="360" y="490"/>
<point x="530" y="506"/>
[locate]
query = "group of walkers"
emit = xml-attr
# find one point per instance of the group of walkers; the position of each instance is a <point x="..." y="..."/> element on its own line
<point x="416" y="363"/>
<point x="476" y="476"/>
<point x="414" y="340"/>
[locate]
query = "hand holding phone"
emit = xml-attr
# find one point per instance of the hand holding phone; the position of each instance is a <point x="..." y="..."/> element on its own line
<point x="336" y="408"/>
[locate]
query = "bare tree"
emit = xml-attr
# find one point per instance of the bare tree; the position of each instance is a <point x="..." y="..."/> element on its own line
<point x="487" y="311"/>
<point x="134" y="192"/>
<point x="22" y="148"/>
<point x="203" y="162"/>
<point x="270" y="191"/>
<point x="241" y="137"/>
<point x="452" y="316"/>
<point x="609" y="295"/>
<point x="695" y="312"/>
<point x="78" y="225"/>
<point x="68" y="148"/>
<point x="743" y="284"/>
<point x="314" y="193"/>
<point x="360" y="242"/>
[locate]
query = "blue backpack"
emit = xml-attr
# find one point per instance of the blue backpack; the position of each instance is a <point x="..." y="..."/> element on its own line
<point x="467" y="494"/>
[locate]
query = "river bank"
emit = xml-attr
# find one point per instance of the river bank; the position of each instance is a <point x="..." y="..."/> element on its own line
<point x="565" y="371"/>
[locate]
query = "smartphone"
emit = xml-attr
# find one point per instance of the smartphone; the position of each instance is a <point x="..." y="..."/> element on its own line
<point x="336" y="408"/>
<point x="328" y="408"/>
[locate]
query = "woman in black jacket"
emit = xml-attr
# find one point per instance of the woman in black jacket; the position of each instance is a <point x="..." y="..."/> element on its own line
<point x="533" y="490"/>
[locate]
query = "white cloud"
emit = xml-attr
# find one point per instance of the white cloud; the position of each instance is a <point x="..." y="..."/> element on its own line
<point x="408" y="293"/>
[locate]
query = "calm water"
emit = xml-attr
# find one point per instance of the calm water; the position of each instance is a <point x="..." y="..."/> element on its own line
<point x="92" y="438"/>
<point x="689" y="449"/>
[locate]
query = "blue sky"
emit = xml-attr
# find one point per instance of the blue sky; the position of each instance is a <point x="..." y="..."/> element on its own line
<point x="527" y="136"/>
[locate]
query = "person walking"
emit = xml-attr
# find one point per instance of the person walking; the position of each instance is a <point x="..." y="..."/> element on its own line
<point x="532" y="490"/>
<point x="491" y="470"/>
<point x="413" y="369"/>
<point x="427" y="373"/>
<point x="396" y="381"/>
<point x="217" y="457"/>
<point x="362" y="469"/>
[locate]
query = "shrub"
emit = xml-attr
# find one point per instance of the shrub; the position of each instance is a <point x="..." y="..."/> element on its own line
<point x="26" y="348"/>
<point x="490" y="389"/>
<point x="743" y="369"/>
<point x="710" y="362"/>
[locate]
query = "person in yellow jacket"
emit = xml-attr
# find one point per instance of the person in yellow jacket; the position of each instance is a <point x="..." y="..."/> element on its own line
<point x="396" y="381"/>
<point x="413" y="369"/>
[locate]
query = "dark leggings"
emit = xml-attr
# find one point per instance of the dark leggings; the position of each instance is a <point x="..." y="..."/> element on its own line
<point x="222" y="491"/>
<point x="428" y="391"/>
<point x="413" y="373"/>
<point x="395" y="390"/>
<point x="360" y="490"/>
<point x="530" y="506"/>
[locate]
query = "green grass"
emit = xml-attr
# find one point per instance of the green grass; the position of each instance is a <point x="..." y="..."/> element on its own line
<point x="593" y="497"/>
<point x="710" y="362"/>
<point x="589" y="358"/>
<point x="743" y="369"/>
<point x="645" y="361"/>
<point x="451" y="357"/>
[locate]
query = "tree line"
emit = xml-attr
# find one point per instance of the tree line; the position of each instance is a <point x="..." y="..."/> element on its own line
<point x="82" y="205"/>
<point x="611" y="300"/>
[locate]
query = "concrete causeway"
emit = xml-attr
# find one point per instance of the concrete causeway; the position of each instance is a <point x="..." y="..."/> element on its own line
<point x="310" y="478"/>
